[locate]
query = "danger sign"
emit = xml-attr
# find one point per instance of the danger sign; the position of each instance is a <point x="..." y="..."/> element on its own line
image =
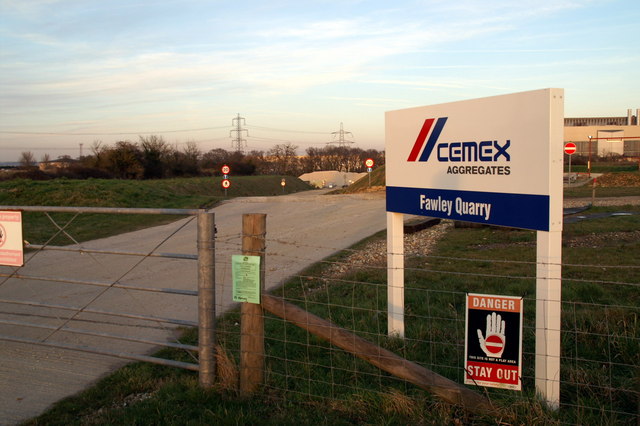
<point x="11" y="247"/>
<point x="493" y="343"/>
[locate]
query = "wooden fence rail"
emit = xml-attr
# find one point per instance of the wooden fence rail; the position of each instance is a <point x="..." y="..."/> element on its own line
<point x="384" y="359"/>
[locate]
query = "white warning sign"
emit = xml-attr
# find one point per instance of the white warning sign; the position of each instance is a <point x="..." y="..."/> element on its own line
<point x="11" y="247"/>
<point x="493" y="344"/>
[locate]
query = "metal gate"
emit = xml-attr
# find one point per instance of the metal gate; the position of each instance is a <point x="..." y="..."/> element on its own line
<point x="108" y="296"/>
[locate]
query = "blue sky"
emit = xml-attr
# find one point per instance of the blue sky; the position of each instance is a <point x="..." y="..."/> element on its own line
<point x="79" y="71"/>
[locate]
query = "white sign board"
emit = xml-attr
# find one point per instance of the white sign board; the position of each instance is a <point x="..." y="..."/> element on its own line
<point x="484" y="160"/>
<point x="11" y="247"/>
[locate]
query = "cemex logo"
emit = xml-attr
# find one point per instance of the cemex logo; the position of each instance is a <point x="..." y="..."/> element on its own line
<point x="484" y="151"/>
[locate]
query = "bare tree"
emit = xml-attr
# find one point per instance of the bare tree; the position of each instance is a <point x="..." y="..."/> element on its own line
<point x="27" y="159"/>
<point x="192" y="155"/>
<point x="125" y="160"/>
<point x="155" y="155"/>
<point x="313" y="161"/>
<point x="283" y="159"/>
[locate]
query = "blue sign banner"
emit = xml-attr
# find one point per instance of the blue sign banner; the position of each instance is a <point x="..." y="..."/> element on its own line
<point x="513" y="210"/>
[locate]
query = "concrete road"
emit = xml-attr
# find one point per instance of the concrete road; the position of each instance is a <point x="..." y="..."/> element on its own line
<point x="301" y="229"/>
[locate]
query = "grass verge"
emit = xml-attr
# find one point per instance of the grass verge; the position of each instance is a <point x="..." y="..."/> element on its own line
<point x="179" y="193"/>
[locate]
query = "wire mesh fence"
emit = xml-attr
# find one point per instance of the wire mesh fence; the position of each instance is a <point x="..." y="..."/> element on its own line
<point x="600" y="360"/>
<point x="600" y="364"/>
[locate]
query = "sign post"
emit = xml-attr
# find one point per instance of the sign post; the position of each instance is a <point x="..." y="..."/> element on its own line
<point x="369" y="163"/>
<point x="226" y="183"/>
<point x="570" y="149"/>
<point x="471" y="161"/>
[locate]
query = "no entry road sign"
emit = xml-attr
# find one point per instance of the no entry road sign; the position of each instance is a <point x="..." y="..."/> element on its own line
<point x="570" y="148"/>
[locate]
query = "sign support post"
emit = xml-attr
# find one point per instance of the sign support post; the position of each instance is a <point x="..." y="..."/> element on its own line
<point x="548" y="309"/>
<point x="369" y="163"/>
<point x="395" y="274"/>
<point x="569" y="149"/>
<point x="549" y="270"/>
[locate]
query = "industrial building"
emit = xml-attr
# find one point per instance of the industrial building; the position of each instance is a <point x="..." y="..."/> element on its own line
<point x="608" y="137"/>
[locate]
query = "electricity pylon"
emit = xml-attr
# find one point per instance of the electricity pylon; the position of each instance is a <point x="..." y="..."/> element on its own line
<point x="339" y="137"/>
<point x="237" y="142"/>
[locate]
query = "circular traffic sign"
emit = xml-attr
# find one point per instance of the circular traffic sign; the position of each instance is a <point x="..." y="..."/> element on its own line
<point x="494" y="343"/>
<point x="226" y="183"/>
<point x="225" y="170"/>
<point x="283" y="182"/>
<point x="570" y="148"/>
<point x="369" y="162"/>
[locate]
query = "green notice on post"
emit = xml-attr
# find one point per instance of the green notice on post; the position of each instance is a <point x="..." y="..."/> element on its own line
<point x="245" y="273"/>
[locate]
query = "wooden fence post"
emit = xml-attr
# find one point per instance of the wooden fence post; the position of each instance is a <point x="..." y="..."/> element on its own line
<point x="251" y="316"/>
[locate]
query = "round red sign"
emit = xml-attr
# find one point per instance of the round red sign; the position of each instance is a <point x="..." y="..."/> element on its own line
<point x="369" y="162"/>
<point x="226" y="183"/>
<point x="494" y="343"/>
<point x="570" y="148"/>
<point x="225" y="170"/>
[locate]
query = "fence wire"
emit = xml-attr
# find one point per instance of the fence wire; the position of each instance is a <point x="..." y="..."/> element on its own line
<point x="600" y="332"/>
<point x="600" y="359"/>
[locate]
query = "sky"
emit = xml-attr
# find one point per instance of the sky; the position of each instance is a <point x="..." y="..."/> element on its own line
<point x="78" y="72"/>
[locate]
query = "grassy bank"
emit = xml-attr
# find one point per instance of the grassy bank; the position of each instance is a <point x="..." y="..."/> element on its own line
<point x="608" y="185"/>
<point x="604" y="167"/>
<point x="180" y="193"/>
<point x="621" y="184"/>
<point x="308" y="382"/>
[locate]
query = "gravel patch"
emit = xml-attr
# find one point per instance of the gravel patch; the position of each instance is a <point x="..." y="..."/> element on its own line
<point x="419" y="243"/>
<point x="613" y="201"/>
<point x="598" y="240"/>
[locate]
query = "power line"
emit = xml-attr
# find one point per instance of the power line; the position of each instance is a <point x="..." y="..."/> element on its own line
<point x="19" y="132"/>
<point x="287" y="131"/>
